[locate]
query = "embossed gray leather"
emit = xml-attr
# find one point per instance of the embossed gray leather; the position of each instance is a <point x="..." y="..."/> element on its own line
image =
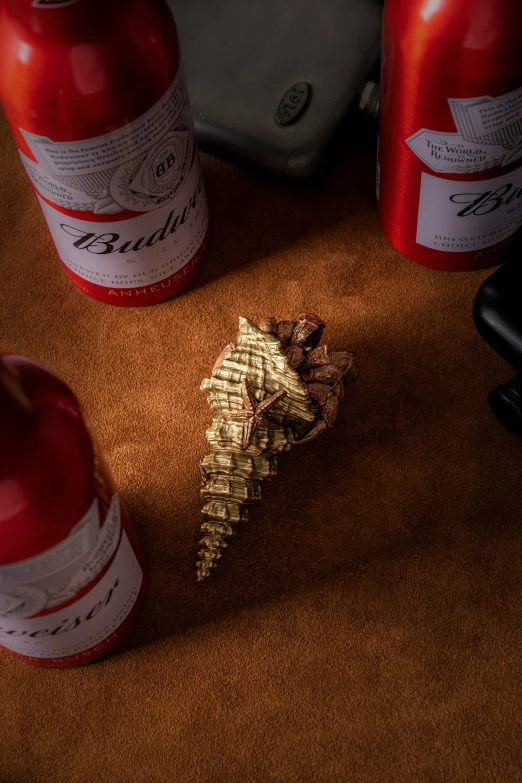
<point x="242" y="57"/>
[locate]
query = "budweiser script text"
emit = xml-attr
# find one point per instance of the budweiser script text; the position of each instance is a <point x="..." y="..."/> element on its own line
<point x="484" y="203"/>
<point x="65" y="626"/>
<point x="103" y="244"/>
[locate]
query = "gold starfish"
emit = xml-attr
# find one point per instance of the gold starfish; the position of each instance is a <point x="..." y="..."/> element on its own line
<point x="254" y="411"/>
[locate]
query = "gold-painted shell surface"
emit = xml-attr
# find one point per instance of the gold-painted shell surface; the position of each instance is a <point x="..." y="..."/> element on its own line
<point x="265" y="398"/>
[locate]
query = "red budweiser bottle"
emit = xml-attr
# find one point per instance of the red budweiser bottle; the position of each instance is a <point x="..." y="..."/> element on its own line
<point x="72" y="574"/>
<point x="449" y="178"/>
<point x="96" y="99"/>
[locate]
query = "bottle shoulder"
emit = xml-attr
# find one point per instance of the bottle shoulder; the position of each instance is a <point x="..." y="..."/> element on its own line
<point x="76" y="88"/>
<point x="49" y="485"/>
<point x="475" y="26"/>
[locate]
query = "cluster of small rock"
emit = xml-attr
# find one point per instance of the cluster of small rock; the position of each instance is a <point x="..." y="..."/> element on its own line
<point x="324" y="372"/>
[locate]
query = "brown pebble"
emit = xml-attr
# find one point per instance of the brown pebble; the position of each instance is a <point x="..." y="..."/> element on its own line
<point x="329" y="373"/>
<point x="294" y="355"/>
<point x="268" y="325"/>
<point x="319" y="391"/>
<point x="319" y="356"/>
<point x="308" y="330"/>
<point x="284" y="330"/>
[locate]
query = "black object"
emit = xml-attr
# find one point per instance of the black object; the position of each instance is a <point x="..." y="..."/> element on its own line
<point x="498" y="317"/>
<point x="506" y="403"/>
<point x="271" y="81"/>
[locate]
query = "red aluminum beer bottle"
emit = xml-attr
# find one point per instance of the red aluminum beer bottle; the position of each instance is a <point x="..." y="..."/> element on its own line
<point x="73" y="577"/>
<point x="97" y="102"/>
<point x="449" y="174"/>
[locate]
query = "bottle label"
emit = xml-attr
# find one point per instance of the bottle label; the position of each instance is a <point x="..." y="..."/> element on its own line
<point x="150" y="167"/>
<point x="55" y="576"/>
<point x="489" y="134"/>
<point x="137" y="252"/>
<point x="88" y="622"/>
<point x="459" y="217"/>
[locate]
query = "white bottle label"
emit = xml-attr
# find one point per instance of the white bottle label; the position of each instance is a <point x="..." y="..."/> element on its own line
<point x="489" y="134"/>
<point x="84" y="624"/>
<point x="149" y="166"/>
<point x="55" y="576"/>
<point x="137" y="252"/>
<point x="459" y="217"/>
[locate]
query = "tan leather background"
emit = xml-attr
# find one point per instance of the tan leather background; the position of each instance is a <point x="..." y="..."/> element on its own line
<point x="365" y="624"/>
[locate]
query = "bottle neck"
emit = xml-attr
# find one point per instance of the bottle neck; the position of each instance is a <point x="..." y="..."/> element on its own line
<point x="17" y="418"/>
<point x="64" y="18"/>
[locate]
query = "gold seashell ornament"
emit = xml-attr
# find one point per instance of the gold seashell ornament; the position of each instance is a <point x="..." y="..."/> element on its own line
<point x="273" y="389"/>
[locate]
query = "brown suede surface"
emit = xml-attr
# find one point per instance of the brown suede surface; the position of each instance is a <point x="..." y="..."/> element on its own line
<point x="365" y="624"/>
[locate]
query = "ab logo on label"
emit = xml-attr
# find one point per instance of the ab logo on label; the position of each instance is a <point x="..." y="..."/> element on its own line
<point x="163" y="167"/>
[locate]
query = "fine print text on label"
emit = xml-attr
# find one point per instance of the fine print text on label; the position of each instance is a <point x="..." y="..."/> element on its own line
<point x="138" y="167"/>
<point x="489" y="134"/>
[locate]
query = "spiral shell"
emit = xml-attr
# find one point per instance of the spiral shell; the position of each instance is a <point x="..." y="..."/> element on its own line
<point x="261" y="406"/>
